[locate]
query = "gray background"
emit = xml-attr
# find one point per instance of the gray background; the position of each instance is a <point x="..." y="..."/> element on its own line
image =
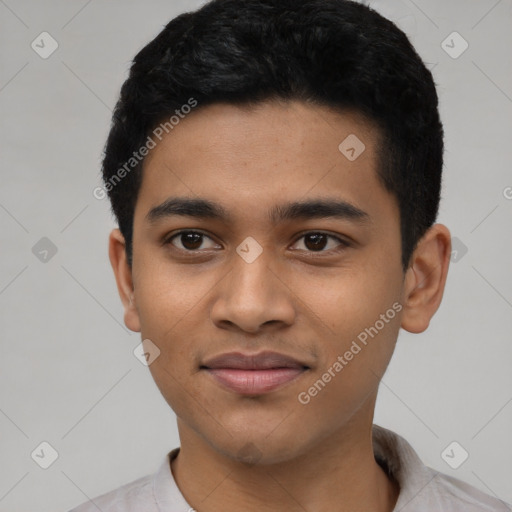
<point x="68" y="375"/>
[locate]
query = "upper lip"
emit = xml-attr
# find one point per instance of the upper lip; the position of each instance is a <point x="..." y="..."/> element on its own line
<point x="261" y="361"/>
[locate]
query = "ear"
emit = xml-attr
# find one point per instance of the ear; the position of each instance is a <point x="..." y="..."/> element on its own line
<point x="123" y="275"/>
<point x="425" y="278"/>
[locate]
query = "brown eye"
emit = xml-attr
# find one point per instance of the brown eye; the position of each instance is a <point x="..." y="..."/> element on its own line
<point x="189" y="240"/>
<point x="317" y="242"/>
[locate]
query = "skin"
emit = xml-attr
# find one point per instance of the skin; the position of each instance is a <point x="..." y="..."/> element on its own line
<point x="271" y="452"/>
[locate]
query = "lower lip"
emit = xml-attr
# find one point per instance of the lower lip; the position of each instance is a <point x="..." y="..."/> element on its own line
<point x="254" y="382"/>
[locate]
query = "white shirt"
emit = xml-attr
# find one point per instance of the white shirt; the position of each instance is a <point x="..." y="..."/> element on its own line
<point x="422" y="489"/>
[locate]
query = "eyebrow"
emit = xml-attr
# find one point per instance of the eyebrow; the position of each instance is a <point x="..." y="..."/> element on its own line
<point x="300" y="210"/>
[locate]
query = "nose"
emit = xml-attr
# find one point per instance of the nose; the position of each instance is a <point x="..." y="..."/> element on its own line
<point x="253" y="297"/>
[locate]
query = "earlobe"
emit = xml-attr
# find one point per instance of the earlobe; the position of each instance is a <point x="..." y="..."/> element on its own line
<point x="123" y="275"/>
<point x="426" y="278"/>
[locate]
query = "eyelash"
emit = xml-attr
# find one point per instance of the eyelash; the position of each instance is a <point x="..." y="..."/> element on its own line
<point x="343" y="243"/>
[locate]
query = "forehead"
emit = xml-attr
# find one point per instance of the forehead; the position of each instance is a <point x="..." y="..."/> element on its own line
<point x="251" y="159"/>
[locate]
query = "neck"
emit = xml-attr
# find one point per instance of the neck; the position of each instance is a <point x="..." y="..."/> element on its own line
<point x="340" y="474"/>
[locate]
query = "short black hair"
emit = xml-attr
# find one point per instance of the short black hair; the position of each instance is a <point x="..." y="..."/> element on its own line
<point x="335" y="53"/>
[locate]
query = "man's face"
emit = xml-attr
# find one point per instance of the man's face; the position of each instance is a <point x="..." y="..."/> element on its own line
<point x="304" y="286"/>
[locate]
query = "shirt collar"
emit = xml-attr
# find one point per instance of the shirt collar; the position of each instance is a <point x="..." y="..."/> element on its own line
<point x="403" y="464"/>
<point x="165" y="491"/>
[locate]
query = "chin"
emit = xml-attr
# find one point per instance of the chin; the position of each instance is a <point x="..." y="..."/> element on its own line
<point x="257" y="447"/>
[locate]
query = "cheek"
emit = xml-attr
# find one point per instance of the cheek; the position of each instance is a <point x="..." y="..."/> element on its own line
<point x="358" y="319"/>
<point x="353" y="362"/>
<point x="167" y="293"/>
<point x="175" y="369"/>
<point x="168" y="307"/>
<point x="347" y="302"/>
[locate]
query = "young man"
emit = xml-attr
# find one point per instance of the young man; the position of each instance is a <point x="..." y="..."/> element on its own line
<point x="275" y="170"/>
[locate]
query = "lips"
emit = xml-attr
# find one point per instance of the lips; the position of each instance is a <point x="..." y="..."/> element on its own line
<point x="261" y="361"/>
<point x="254" y="374"/>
